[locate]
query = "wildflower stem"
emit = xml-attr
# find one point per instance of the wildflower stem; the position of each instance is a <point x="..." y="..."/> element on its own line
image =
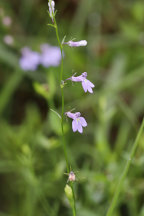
<point x="62" y="97"/>
<point x="62" y="115"/>
<point x="126" y="169"/>
<point x="74" y="206"/>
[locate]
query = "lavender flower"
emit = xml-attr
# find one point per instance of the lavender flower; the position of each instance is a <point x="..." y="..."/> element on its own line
<point x="8" y="39"/>
<point x="78" y="122"/>
<point x="7" y="21"/>
<point x="50" y="56"/>
<point x="71" y="177"/>
<point x="76" y="44"/>
<point x="86" y="84"/>
<point x="51" y="5"/>
<point x="29" y="60"/>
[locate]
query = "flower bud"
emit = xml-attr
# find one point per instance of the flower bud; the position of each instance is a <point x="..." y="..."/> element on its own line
<point x="51" y="5"/>
<point x="69" y="194"/>
<point x="7" y="21"/>
<point x="8" y="39"/>
<point x="76" y="43"/>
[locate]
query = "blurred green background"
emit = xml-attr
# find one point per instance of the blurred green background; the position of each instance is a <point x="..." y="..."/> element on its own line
<point x="32" y="163"/>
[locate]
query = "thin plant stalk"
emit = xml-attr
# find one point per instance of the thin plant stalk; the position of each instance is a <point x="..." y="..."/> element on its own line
<point x="62" y="115"/>
<point x="74" y="206"/>
<point x="62" y="98"/>
<point x="125" y="171"/>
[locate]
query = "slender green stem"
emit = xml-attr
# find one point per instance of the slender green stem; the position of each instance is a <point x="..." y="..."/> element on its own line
<point x="62" y="95"/>
<point x="126" y="169"/>
<point x="62" y="115"/>
<point x="74" y="206"/>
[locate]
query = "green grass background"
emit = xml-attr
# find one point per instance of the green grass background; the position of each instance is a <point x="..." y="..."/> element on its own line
<point x="32" y="163"/>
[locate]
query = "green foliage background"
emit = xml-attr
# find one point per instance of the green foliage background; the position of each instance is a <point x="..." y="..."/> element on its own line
<point x="32" y="163"/>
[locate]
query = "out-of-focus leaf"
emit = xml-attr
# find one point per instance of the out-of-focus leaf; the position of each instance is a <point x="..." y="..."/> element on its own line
<point x="41" y="89"/>
<point x="9" y="89"/>
<point x="130" y="31"/>
<point x="47" y="143"/>
<point x="55" y="123"/>
<point x="47" y="90"/>
<point x="138" y="11"/>
<point x="8" y="57"/>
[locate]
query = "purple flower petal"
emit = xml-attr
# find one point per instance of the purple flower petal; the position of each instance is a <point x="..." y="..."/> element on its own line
<point x="84" y="85"/>
<point x="74" y="125"/>
<point x="8" y="39"/>
<point x="77" y="114"/>
<point x="77" y="79"/>
<point x="7" y="21"/>
<point x="90" y="89"/>
<point x="50" y="56"/>
<point x="29" y="60"/>
<point x="78" y="122"/>
<point x="83" y="121"/>
<point x="80" y="129"/>
<point x="84" y="74"/>
<point x="73" y="115"/>
<point x="90" y="84"/>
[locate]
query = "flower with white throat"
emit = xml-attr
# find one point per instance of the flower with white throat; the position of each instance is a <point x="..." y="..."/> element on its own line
<point x="86" y="84"/>
<point x="78" y="122"/>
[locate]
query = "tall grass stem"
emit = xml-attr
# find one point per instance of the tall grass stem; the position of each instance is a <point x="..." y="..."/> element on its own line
<point x="125" y="171"/>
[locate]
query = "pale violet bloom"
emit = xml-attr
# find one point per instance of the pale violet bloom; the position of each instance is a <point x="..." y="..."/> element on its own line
<point x="71" y="177"/>
<point x="8" y="39"/>
<point x="51" y="5"/>
<point x="78" y="122"/>
<point x="86" y="84"/>
<point x="29" y="60"/>
<point x="76" y="43"/>
<point x="6" y="21"/>
<point x="50" y="55"/>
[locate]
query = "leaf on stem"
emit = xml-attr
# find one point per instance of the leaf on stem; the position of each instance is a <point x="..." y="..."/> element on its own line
<point x="51" y="25"/>
<point x="56" y="113"/>
<point x="63" y="40"/>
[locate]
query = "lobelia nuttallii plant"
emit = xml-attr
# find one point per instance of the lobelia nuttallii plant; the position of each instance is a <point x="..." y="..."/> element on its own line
<point x="78" y="122"/>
